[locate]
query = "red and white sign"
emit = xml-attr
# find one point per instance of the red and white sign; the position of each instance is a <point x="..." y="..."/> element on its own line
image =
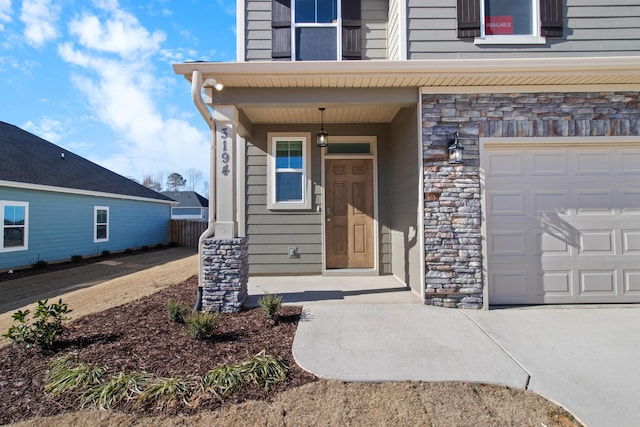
<point x="498" y="25"/>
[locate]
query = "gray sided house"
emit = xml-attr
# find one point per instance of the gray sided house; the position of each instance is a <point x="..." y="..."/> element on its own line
<point x="189" y="205"/>
<point x="540" y="97"/>
<point x="55" y="204"/>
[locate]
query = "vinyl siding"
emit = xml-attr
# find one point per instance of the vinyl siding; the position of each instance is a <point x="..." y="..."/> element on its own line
<point x="404" y="177"/>
<point x="61" y="225"/>
<point x="258" y="30"/>
<point x="271" y="233"/>
<point x="591" y="29"/>
<point x="393" y="31"/>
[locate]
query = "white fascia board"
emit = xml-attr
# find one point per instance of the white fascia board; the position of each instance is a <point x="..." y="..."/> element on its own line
<point x="463" y="67"/>
<point x="240" y="33"/>
<point x="39" y="187"/>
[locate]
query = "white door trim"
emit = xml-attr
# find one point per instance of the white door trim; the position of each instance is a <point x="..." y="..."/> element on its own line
<point x="373" y="140"/>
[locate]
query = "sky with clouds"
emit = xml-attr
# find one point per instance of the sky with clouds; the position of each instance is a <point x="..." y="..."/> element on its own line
<point x="96" y="77"/>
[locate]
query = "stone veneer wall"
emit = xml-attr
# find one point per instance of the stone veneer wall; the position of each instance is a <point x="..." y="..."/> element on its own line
<point x="225" y="273"/>
<point x="452" y="216"/>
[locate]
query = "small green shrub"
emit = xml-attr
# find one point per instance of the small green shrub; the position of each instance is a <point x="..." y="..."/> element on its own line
<point x="40" y="264"/>
<point x="106" y="252"/>
<point x="76" y="258"/>
<point x="128" y="251"/>
<point x="177" y="310"/>
<point x="202" y="324"/>
<point x="45" y="327"/>
<point x="270" y="305"/>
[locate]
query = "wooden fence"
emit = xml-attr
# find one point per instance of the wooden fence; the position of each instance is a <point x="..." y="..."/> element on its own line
<point x="186" y="233"/>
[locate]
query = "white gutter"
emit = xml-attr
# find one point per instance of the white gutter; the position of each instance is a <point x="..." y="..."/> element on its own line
<point x="196" y="93"/>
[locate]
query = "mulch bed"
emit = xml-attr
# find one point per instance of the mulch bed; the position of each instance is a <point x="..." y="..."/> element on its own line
<point x="139" y="336"/>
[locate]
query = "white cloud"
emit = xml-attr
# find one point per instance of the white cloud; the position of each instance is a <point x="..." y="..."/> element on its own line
<point x="122" y="35"/>
<point x="48" y="128"/>
<point x="5" y="12"/>
<point x="117" y="78"/>
<point x="40" y="18"/>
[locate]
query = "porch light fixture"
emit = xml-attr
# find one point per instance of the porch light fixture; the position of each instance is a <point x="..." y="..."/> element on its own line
<point x="455" y="150"/>
<point x="322" y="137"/>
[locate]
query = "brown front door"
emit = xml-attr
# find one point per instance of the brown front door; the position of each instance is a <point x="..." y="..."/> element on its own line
<point x="349" y="222"/>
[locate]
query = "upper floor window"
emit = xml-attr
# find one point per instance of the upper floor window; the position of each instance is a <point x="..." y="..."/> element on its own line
<point x="100" y="224"/>
<point x="289" y="169"/>
<point x="315" y="30"/>
<point x="14" y="217"/>
<point x="509" y="21"/>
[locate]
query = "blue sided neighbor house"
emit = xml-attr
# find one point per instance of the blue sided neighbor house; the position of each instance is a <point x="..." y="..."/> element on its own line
<point x="55" y="204"/>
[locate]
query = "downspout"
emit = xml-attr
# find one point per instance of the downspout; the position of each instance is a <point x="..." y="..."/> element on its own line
<point x="196" y="93"/>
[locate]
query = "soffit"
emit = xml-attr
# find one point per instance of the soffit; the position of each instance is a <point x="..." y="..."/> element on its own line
<point x="435" y="75"/>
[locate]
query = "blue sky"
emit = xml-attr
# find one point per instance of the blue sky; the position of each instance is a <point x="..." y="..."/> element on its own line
<point x="96" y="78"/>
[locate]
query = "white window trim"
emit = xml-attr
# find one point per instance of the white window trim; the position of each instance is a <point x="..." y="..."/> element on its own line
<point x="24" y="247"/>
<point x="272" y="138"/>
<point x="337" y="25"/>
<point x="534" y="38"/>
<point x="95" y="223"/>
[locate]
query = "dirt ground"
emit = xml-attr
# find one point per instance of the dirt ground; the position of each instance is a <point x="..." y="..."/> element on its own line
<point x="325" y="403"/>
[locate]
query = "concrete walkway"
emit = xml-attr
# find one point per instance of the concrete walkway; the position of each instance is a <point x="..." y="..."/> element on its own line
<point x="583" y="358"/>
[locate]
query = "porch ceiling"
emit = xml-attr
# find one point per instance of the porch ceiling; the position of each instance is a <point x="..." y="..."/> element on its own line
<point x="444" y="76"/>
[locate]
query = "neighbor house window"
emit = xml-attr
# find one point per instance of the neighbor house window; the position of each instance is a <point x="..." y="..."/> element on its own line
<point x="289" y="165"/>
<point x="14" y="218"/>
<point x="315" y="30"/>
<point x="509" y="21"/>
<point x="101" y="224"/>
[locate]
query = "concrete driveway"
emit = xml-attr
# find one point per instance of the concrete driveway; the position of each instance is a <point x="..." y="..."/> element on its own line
<point x="583" y="358"/>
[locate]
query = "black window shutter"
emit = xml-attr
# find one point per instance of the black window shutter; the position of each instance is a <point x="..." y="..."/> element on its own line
<point x="468" y="18"/>
<point x="351" y="32"/>
<point x="551" y="18"/>
<point x="281" y="30"/>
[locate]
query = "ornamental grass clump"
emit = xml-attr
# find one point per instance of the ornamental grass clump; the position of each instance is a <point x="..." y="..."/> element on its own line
<point x="165" y="391"/>
<point x="66" y="374"/>
<point x="177" y="311"/>
<point x="202" y="324"/>
<point x="270" y="305"/>
<point x="44" y="328"/>
<point x="123" y="386"/>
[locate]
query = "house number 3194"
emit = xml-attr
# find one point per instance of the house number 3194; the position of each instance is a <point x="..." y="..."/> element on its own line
<point x="225" y="153"/>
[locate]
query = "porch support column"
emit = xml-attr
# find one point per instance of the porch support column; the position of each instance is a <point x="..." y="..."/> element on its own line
<point x="225" y="255"/>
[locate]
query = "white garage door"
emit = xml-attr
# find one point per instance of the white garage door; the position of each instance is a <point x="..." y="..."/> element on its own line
<point x="562" y="223"/>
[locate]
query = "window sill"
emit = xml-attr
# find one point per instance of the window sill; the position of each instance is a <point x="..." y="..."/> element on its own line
<point x="289" y="207"/>
<point x="493" y="40"/>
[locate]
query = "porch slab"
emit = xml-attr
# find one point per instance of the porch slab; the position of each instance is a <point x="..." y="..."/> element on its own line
<point x="400" y="342"/>
<point x="308" y="290"/>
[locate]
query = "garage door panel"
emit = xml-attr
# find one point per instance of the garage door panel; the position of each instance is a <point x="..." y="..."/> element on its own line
<point x="631" y="242"/>
<point x="597" y="242"/>
<point x="589" y="202"/>
<point x="632" y="282"/>
<point x="630" y="202"/>
<point x="594" y="162"/>
<point x="550" y="163"/>
<point x="597" y="282"/>
<point x="566" y="229"/>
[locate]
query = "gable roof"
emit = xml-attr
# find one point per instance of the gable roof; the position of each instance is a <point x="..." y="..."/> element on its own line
<point x="187" y="199"/>
<point x="29" y="159"/>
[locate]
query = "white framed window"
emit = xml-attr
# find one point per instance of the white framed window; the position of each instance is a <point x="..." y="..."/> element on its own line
<point x="509" y="22"/>
<point x="100" y="224"/>
<point x="14" y="224"/>
<point x="315" y="29"/>
<point x="289" y="171"/>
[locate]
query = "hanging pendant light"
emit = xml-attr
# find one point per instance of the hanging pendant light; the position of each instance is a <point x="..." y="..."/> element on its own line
<point x="322" y="137"/>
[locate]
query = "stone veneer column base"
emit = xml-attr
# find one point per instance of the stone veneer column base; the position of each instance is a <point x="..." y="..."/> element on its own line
<point x="453" y="299"/>
<point x="225" y="273"/>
